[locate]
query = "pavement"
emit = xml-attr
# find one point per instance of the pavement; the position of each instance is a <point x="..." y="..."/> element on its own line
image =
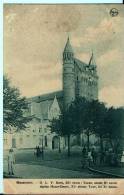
<point x="117" y="172"/>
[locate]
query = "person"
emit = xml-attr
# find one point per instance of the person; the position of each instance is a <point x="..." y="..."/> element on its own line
<point x="94" y="156"/>
<point x="90" y="159"/>
<point x="122" y="159"/>
<point x="102" y="157"/>
<point x="84" y="157"/>
<point x="11" y="161"/>
<point x="42" y="152"/>
<point x="38" y="151"/>
<point x="35" y="151"/>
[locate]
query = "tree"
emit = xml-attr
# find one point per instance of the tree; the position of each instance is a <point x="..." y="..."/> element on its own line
<point x="98" y="112"/>
<point x="114" y="123"/>
<point x="14" y="107"/>
<point x="63" y="126"/>
<point x="88" y="117"/>
<point x="78" y="110"/>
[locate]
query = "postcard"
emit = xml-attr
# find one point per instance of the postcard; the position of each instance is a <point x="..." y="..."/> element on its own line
<point x="63" y="99"/>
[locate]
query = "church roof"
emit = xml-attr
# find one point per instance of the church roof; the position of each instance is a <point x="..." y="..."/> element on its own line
<point x="81" y="65"/>
<point x="47" y="96"/>
<point x="68" y="47"/>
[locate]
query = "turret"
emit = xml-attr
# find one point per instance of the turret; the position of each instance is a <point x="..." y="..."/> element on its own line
<point x="68" y="75"/>
<point x="94" y="77"/>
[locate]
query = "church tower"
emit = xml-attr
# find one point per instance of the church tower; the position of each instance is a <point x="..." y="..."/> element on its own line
<point x="68" y="75"/>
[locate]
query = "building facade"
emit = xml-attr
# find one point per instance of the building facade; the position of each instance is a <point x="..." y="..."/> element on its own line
<point x="79" y="79"/>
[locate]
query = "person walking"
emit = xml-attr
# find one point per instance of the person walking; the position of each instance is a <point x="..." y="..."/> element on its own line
<point x="11" y="162"/>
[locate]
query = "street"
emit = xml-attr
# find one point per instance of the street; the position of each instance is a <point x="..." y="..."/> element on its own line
<point x="54" y="165"/>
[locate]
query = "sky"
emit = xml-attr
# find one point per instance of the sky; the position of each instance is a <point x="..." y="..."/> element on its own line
<point x="35" y="36"/>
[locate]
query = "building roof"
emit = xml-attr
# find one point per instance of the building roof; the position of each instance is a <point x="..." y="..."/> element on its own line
<point x="47" y="96"/>
<point x="81" y="65"/>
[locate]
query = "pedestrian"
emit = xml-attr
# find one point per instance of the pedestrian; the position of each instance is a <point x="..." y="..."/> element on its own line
<point x="84" y="151"/>
<point x="84" y="157"/>
<point x="42" y="152"/>
<point x="102" y="157"/>
<point x="35" y="151"/>
<point x="38" y="151"/>
<point x="90" y="159"/>
<point x="122" y="159"/>
<point x="94" y="156"/>
<point x="11" y="162"/>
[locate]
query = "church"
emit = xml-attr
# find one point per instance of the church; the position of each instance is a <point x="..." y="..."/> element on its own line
<point x="79" y="79"/>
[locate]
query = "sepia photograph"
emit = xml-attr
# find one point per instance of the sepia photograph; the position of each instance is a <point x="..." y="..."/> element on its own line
<point x="63" y="91"/>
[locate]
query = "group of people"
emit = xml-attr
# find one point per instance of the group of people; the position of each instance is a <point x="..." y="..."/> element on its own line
<point x="95" y="157"/>
<point x="39" y="152"/>
<point x="88" y="157"/>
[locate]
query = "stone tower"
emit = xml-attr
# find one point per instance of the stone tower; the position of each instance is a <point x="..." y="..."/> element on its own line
<point x="68" y="75"/>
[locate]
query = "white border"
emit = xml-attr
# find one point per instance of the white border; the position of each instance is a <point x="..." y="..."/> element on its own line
<point x="1" y="97"/>
<point x="62" y="1"/>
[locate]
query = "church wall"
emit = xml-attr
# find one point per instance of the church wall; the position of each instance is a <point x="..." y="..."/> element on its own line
<point x="87" y="85"/>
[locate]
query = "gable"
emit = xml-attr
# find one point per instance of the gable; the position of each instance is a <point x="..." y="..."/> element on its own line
<point x="54" y="110"/>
